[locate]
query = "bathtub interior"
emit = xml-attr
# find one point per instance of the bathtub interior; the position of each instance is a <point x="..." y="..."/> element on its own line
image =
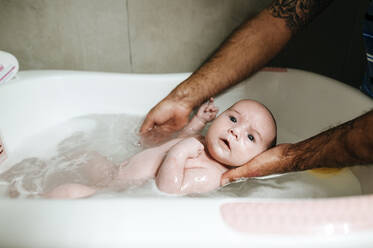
<point x="303" y="104"/>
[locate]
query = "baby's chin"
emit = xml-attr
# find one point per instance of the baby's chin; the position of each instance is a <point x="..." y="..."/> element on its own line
<point x="232" y="165"/>
<point x="224" y="160"/>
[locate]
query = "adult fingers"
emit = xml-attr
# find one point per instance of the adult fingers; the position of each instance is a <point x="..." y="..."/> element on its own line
<point x="244" y="171"/>
<point x="272" y="161"/>
<point x="148" y="124"/>
<point x="154" y="137"/>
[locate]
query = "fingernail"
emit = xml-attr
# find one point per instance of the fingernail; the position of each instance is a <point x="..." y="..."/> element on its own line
<point x="225" y="181"/>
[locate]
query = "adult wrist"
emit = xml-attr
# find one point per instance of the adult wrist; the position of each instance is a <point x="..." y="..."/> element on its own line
<point x="298" y="156"/>
<point x="184" y="96"/>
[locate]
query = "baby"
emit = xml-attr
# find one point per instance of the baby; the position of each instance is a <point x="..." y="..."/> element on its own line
<point x="188" y="164"/>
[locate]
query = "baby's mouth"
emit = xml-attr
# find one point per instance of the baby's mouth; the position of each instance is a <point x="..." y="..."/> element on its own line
<point x="226" y="143"/>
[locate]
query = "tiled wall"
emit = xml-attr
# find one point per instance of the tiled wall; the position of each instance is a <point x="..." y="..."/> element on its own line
<point x="66" y="34"/>
<point x="159" y="36"/>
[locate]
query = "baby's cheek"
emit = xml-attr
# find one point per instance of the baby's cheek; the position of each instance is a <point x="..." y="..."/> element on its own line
<point x="245" y="155"/>
<point x="244" y="158"/>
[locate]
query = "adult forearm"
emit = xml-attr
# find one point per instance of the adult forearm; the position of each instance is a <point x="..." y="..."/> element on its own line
<point x="249" y="48"/>
<point x="243" y="53"/>
<point x="348" y="144"/>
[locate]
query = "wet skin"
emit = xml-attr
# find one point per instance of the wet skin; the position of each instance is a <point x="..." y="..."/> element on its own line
<point x="192" y="164"/>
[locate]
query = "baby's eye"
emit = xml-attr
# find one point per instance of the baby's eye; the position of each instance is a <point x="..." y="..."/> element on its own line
<point x="233" y="119"/>
<point x="250" y="137"/>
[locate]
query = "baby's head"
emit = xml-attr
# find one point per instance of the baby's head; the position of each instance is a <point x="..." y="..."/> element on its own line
<point x="241" y="132"/>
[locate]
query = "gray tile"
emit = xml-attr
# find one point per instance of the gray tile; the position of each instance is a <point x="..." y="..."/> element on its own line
<point x="177" y="36"/>
<point x="167" y="35"/>
<point x="66" y="34"/>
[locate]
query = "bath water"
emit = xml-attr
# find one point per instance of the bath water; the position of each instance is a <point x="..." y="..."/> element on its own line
<point x="59" y="153"/>
<point x="58" y="156"/>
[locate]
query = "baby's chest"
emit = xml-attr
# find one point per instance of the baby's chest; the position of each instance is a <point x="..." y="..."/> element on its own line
<point x="202" y="161"/>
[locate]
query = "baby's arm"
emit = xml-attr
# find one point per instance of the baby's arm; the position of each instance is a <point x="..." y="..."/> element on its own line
<point x="143" y="166"/>
<point x="136" y="170"/>
<point x="206" y="113"/>
<point x="174" y="178"/>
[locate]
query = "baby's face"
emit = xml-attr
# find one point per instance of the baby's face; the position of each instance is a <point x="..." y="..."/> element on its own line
<point x="240" y="133"/>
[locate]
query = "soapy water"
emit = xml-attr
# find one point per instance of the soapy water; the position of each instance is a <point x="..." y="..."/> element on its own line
<point x="59" y="155"/>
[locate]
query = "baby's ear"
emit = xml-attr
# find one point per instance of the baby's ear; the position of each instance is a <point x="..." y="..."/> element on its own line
<point x="273" y="143"/>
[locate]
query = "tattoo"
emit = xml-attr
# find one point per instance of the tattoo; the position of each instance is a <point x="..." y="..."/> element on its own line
<point x="297" y="13"/>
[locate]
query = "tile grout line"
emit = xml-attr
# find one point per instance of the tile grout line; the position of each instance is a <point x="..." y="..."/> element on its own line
<point x="129" y="36"/>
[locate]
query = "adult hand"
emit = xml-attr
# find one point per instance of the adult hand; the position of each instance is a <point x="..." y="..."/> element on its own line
<point x="348" y="144"/>
<point x="273" y="161"/>
<point x="163" y="120"/>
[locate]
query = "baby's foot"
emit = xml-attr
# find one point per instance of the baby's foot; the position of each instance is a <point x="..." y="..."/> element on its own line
<point x="71" y="191"/>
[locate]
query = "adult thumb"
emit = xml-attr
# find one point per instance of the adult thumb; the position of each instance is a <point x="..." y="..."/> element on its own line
<point x="241" y="172"/>
<point x="147" y="125"/>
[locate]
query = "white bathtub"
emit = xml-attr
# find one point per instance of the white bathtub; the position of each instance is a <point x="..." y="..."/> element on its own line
<point x="303" y="104"/>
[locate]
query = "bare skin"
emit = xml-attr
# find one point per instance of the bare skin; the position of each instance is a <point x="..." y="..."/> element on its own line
<point x="350" y="143"/>
<point x="191" y="164"/>
<point x="249" y="48"/>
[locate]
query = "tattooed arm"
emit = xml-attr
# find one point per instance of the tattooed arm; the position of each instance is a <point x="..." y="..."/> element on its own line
<point x="345" y="145"/>
<point x="297" y="13"/>
<point x="249" y="48"/>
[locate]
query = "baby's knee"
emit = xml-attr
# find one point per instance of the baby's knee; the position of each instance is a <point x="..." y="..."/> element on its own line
<point x="71" y="191"/>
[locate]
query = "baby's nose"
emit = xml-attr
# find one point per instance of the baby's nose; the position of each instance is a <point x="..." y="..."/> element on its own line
<point x="233" y="132"/>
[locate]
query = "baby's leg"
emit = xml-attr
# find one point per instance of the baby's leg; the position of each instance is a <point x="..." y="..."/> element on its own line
<point x="90" y="168"/>
<point x="96" y="172"/>
<point x="99" y="171"/>
<point x="71" y="191"/>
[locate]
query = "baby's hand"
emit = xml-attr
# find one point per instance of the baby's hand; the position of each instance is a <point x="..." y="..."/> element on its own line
<point x="207" y="112"/>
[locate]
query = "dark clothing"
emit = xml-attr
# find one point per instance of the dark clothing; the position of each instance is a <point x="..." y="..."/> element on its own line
<point x="367" y="85"/>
